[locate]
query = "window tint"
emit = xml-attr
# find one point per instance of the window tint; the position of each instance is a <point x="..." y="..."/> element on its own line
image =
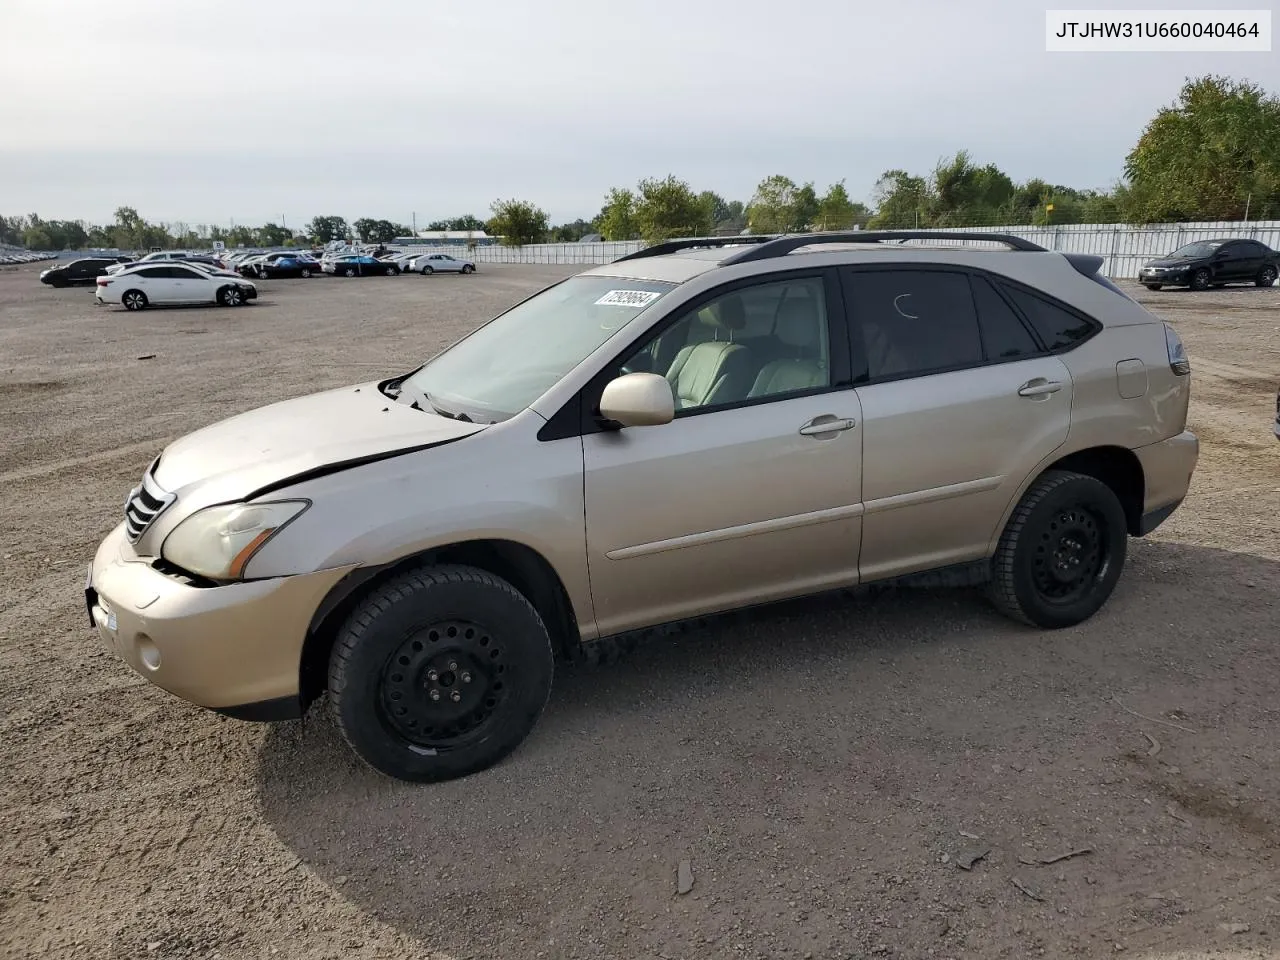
<point x="913" y="321"/>
<point x="154" y="272"/>
<point x="182" y="273"/>
<point x="769" y="340"/>
<point x="1253" y="249"/>
<point x="1003" y="335"/>
<point x="1057" y="328"/>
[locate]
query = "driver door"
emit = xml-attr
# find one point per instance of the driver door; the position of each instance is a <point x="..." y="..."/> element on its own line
<point x="753" y="492"/>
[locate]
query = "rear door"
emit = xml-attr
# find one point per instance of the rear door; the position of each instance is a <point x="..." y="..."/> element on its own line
<point x="960" y="399"/>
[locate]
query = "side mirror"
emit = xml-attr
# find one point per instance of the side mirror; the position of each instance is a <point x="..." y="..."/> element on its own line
<point x="638" y="400"/>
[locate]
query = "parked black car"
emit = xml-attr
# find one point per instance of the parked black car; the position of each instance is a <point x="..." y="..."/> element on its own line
<point x="84" y="271"/>
<point x="1213" y="263"/>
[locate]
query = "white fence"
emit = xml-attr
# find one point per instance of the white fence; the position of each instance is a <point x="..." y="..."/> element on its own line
<point x="1125" y="248"/>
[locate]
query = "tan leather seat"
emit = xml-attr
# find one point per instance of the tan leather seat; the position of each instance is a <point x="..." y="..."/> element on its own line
<point x="715" y="371"/>
<point x="799" y="331"/>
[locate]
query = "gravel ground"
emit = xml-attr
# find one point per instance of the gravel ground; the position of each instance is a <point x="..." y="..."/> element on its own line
<point x="822" y="765"/>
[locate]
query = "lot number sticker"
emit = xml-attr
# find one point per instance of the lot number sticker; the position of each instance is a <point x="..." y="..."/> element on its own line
<point x="628" y="298"/>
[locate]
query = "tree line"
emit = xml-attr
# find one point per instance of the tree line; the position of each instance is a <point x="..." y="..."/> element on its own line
<point x="1214" y="154"/>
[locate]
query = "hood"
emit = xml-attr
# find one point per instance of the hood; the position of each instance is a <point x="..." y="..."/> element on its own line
<point x="1172" y="261"/>
<point x="233" y="458"/>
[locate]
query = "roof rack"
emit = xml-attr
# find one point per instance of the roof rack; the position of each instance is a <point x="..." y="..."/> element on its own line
<point x="781" y="246"/>
<point x="690" y="243"/>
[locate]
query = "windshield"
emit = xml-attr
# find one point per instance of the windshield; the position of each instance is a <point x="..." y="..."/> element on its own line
<point x="508" y="363"/>
<point x="1204" y="248"/>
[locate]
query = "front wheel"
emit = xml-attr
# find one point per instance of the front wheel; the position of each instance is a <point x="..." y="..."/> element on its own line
<point x="1200" y="280"/>
<point x="392" y="271"/>
<point x="439" y="673"/>
<point x="1266" y="277"/>
<point x="305" y="273"/>
<point x="349" y="272"/>
<point x="1061" y="554"/>
<point x="1154" y="286"/>
<point x="231" y="297"/>
<point x="134" y="300"/>
<point x="468" y="268"/>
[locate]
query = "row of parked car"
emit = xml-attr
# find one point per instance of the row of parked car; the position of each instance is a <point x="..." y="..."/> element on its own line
<point x="11" y="258"/>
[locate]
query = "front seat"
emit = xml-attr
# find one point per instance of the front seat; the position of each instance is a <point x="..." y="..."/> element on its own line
<point x="715" y="371"/>
<point x="799" y="331"/>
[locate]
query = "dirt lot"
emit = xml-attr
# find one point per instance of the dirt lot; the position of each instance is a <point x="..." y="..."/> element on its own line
<point x="822" y="765"/>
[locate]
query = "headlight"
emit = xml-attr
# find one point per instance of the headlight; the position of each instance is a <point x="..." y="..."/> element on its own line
<point x="218" y="542"/>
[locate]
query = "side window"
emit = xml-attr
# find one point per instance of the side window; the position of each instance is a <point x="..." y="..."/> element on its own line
<point x="1252" y="249"/>
<point x="1056" y="327"/>
<point x="765" y="341"/>
<point x="154" y="273"/>
<point x="1003" y="335"/>
<point x="913" y="322"/>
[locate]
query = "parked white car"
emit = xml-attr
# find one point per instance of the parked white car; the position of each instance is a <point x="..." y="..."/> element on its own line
<point x="430" y="263"/>
<point x="163" y="255"/>
<point x="154" y="284"/>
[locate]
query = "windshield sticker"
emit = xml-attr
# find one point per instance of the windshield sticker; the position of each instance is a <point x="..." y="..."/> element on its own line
<point x="628" y="298"/>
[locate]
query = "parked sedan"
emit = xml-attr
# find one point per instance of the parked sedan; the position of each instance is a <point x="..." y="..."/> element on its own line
<point x="293" y="265"/>
<point x="359" y="265"/>
<point x="83" y="271"/>
<point x="156" y="284"/>
<point x="430" y="263"/>
<point x="1213" y="263"/>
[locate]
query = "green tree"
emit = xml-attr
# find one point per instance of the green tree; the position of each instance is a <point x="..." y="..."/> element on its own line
<point x="779" y="205"/>
<point x="667" y="208"/>
<point x="272" y="235"/>
<point x="324" y="229"/>
<point x="617" y="221"/>
<point x="570" y="232"/>
<point x="11" y="230"/>
<point x="376" y="231"/>
<point x="902" y="201"/>
<point x="518" y="222"/>
<point x="837" y="212"/>
<point x="38" y="237"/>
<point x="1206" y="156"/>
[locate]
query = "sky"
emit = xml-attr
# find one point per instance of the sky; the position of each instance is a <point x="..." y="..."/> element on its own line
<point x="239" y="111"/>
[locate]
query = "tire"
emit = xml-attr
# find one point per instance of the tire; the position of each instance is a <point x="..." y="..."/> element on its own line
<point x="396" y="650"/>
<point x="468" y="269"/>
<point x="427" y="271"/>
<point x="134" y="300"/>
<point x="1154" y="286"/>
<point x="1061" y="553"/>
<point x="1266" y="277"/>
<point x="392" y="271"/>
<point x="231" y="297"/>
<point x="305" y="273"/>
<point x="1200" y="279"/>
<point x="349" y="272"/>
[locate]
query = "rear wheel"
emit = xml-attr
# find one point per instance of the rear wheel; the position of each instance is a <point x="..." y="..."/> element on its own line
<point x="134" y="300"/>
<point x="349" y="272"/>
<point x="1266" y="276"/>
<point x="1200" y="279"/>
<point x="440" y="673"/>
<point x="427" y="271"/>
<point x="1061" y="554"/>
<point x="1153" y="286"/>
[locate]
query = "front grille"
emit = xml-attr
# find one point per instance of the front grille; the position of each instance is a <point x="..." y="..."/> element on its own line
<point x="146" y="502"/>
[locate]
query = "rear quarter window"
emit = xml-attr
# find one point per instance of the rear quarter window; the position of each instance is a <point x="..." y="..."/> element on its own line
<point x="1058" y="329"/>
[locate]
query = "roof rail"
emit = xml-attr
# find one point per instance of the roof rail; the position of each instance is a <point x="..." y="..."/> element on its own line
<point x="690" y="243"/>
<point x="781" y="246"/>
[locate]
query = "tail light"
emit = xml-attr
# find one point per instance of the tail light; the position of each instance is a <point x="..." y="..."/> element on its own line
<point x="103" y="281"/>
<point x="1178" y="361"/>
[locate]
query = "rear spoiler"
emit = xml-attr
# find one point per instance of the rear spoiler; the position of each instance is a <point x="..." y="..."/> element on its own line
<point x="1090" y="265"/>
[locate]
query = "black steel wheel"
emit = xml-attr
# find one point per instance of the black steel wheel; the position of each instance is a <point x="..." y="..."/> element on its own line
<point x="1062" y="551"/>
<point x="439" y="673"/>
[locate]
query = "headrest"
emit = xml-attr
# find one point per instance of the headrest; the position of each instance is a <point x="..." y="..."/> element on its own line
<point x="731" y="315"/>
<point x="797" y="324"/>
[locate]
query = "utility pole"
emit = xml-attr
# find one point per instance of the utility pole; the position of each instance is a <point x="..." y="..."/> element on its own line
<point x="414" y="215"/>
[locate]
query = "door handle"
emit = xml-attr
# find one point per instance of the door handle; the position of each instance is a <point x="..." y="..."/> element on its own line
<point x="826" y="424"/>
<point x="1039" y="388"/>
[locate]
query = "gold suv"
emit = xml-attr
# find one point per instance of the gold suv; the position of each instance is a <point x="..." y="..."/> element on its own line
<point x="705" y="425"/>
